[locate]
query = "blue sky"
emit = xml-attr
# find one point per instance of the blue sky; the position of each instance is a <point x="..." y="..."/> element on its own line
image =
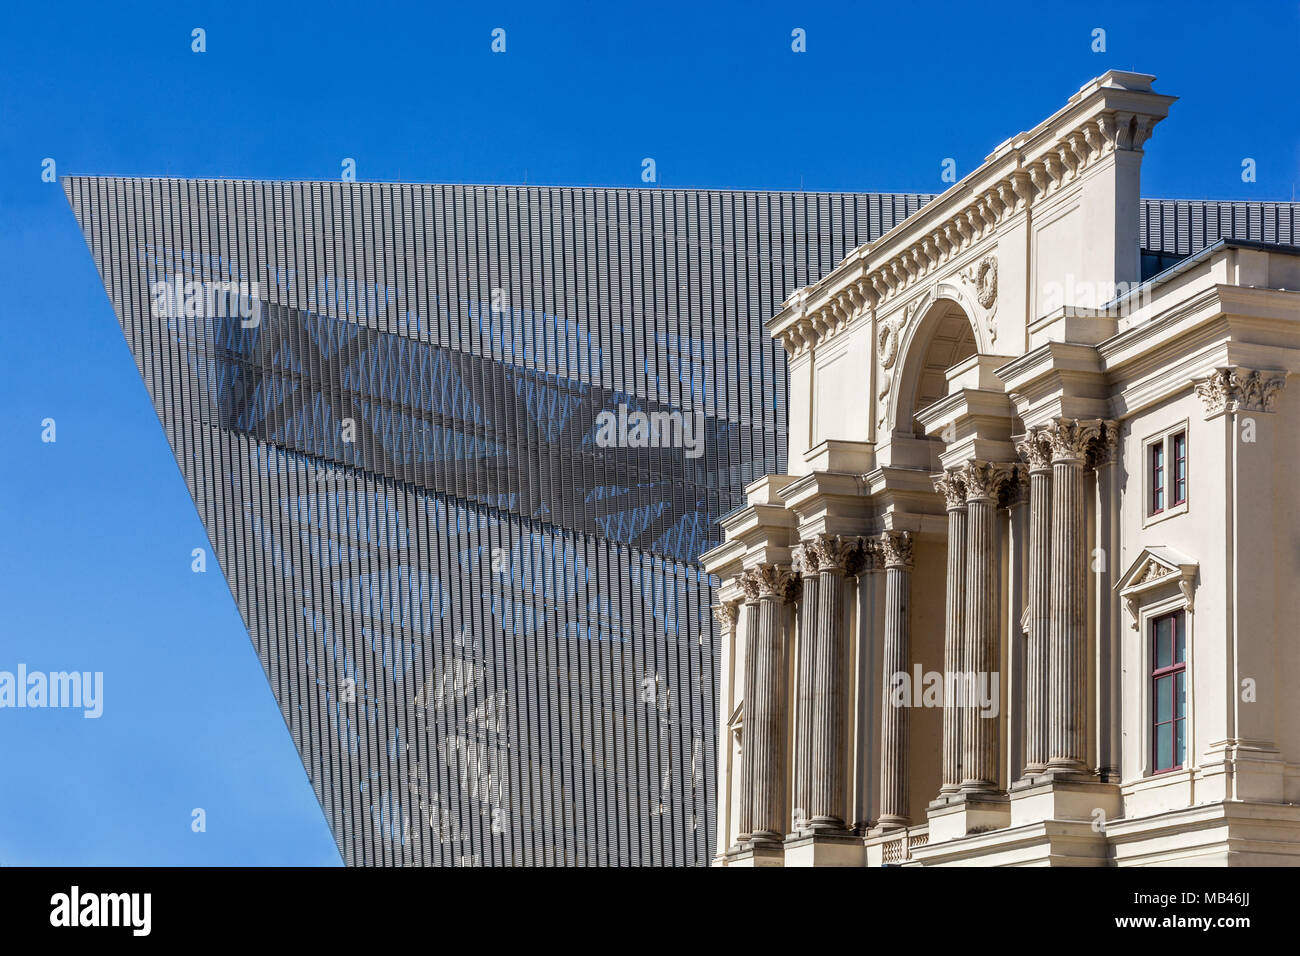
<point x="98" y="527"/>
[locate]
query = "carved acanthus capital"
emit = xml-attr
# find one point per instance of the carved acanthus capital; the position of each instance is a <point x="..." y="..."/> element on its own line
<point x="868" y="557"/>
<point x="833" y="552"/>
<point x="896" y="548"/>
<point x="770" y="581"/>
<point x="1015" y="490"/>
<point x="1070" y="438"/>
<point x="953" y="488"/>
<point x="803" y="559"/>
<point x="1035" y="450"/>
<point x="727" y="612"/>
<point x="1235" y="389"/>
<point x="1105" y="450"/>
<point x="984" y="479"/>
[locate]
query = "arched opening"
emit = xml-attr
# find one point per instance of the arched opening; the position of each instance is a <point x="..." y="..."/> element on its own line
<point x="943" y="338"/>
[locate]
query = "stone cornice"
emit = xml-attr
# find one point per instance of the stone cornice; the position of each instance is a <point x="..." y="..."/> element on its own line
<point x="1236" y="389"/>
<point x="1112" y="113"/>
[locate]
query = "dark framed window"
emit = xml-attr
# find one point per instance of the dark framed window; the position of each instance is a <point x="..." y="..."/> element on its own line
<point x="1157" y="478"/>
<point x="1168" y="692"/>
<point x="1178" y="464"/>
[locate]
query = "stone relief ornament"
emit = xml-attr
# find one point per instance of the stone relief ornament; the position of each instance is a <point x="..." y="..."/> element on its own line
<point x="983" y="278"/>
<point x="887" y="344"/>
<point x="1153" y="571"/>
<point x="985" y="281"/>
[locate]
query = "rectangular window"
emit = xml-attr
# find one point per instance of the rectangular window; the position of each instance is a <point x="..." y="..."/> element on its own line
<point x="1168" y="692"/>
<point x="1157" y="478"/>
<point x="1178" y="460"/>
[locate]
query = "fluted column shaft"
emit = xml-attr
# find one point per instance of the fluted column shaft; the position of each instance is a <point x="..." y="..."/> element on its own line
<point x="803" y="743"/>
<point x="979" y="734"/>
<point x="1067" y="655"/>
<point x="954" y="637"/>
<point x="1067" y="718"/>
<point x="1036" y="452"/>
<point x="829" y="677"/>
<point x="745" y="816"/>
<point x="896" y="547"/>
<point x="765" y="709"/>
<point x="1109" y="657"/>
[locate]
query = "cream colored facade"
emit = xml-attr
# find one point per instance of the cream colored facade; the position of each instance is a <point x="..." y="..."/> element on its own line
<point x="975" y="400"/>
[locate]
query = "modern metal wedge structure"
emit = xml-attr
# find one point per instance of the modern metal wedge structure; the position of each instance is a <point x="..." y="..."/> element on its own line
<point x="458" y="449"/>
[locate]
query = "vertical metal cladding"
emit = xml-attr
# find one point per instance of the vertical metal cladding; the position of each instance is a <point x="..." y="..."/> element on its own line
<point x="1185" y="226"/>
<point x="469" y="576"/>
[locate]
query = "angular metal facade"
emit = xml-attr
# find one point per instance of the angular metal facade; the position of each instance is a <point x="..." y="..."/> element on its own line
<point x="484" y="624"/>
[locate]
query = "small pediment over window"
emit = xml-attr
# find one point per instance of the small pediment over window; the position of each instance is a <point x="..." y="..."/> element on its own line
<point x="1155" y="568"/>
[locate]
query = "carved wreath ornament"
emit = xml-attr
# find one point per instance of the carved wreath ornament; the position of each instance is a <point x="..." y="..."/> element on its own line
<point x="887" y="344"/>
<point x="985" y="280"/>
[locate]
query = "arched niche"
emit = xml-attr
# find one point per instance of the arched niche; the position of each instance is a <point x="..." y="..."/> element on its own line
<point x="942" y="337"/>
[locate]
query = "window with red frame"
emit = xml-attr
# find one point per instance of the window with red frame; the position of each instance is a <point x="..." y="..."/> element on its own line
<point x="1157" y="477"/>
<point x="1178" y="464"/>
<point x="1168" y="692"/>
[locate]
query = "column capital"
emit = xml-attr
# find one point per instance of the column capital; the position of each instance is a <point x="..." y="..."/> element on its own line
<point x="1105" y="451"/>
<point x="727" y="613"/>
<point x="803" y="559"/>
<point x="769" y="581"/>
<point x="984" y="480"/>
<point x="1071" y="438"/>
<point x="1236" y="389"/>
<point x="896" y="546"/>
<point x="1036" y="451"/>
<point x="869" y="556"/>
<point x="1015" y="491"/>
<point x="952" y="486"/>
<point x="831" y="552"/>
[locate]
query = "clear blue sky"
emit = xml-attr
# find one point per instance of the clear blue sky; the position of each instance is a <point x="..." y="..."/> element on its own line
<point x="97" y="528"/>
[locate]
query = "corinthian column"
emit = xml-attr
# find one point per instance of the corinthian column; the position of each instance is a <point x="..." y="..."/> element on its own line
<point x="1036" y="451"/>
<point x="896" y="549"/>
<point x="745" y="812"/>
<point x="726" y="613"/>
<point x="1105" y="464"/>
<point x="953" y="489"/>
<point x="836" y="557"/>
<point x="1067" y="723"/>
<point x="979" y="733"/>
<point x="773" y="587"/>
<point x="805" y="564"/>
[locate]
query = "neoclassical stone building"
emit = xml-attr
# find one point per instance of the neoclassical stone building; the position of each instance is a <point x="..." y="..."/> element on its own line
<point x="1029" y="593"/>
